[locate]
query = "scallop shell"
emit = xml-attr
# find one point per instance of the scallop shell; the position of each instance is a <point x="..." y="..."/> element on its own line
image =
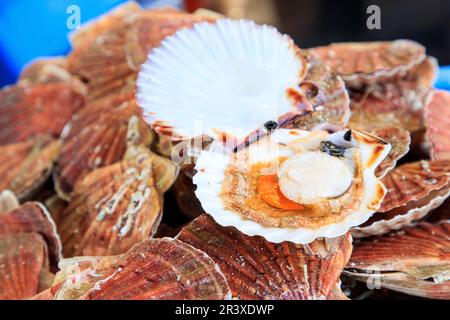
<point x="45" y="108"/>
<point x="111" y="209"/>
<point x="110" y="59"/>
<point x="258" y="269"/>
<point x="8" y="201"/>
<point x="25" y="166"/>
<point x="96" y="137"/>
<point x="220" y="101"/>
<point x="406" y="260"/>
<point x="212" y="165"/>
<point x="414" y="189"/>
<point x="362" y="63"/>
<point x="33" y="217"/>
<point x="161" y="269"/>
<point x="23" y="258"/>
<point x="437" y="122"/>
<point x="400" y="140"/>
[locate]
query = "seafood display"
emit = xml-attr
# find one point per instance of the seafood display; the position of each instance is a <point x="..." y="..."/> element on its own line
<point x="187" y="156"/>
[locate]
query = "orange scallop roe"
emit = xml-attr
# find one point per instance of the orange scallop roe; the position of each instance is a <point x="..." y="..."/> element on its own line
<point x="269" y="191"/>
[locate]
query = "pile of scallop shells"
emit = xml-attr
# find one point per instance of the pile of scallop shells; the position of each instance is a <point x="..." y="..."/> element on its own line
<point x="93" y="204"/>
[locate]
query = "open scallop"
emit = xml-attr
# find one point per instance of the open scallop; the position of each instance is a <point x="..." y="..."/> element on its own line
<point x="225" y="79"/>
<point x="293" y="185"/>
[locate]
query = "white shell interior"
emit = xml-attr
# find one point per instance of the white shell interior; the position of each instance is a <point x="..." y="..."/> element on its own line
<point x="212" y="164"/>
<point x="229" y="76"/>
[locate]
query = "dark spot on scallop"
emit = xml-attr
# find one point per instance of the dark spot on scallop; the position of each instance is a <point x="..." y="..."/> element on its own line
<point x="332" y="149"/>
<point x="271" y="125"/>
<point x="348" y="136"/>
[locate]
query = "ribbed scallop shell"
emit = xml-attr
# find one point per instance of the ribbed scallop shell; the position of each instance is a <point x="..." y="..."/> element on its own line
<point x="25" y="166"/>
<point x="8" y="201"/>
<point x="111" y="209"/>
<point x="96" y="137"/>
<point x="371" y="62"/>
<point x="400" y="140"/>
<point x="414" y="189"/>
<point x="440" y="213"/>
<point x="32" y="110"/>
<point x="110" y="59"/>
<point x="222" y="180"/>
<point x="33" y="217"/>
<point x="258" y="269"/>
<point x="437" y="122"/>
<point x="23" y="258"/>
<point x="161" y="269"/>
<point x="250" y="67"/>
<point x="406" y="260"/>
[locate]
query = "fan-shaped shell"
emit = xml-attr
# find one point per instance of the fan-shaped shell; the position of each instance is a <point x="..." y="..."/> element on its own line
<point x="227" y="186"/>
<point x="8" y="201"/>
<point x="23" y="258"/>
<point x="400" y="140"/>
<point x="258" y="269"/>
<point x="161" y="269"/>
<point x="111" y="209"/>
<point x="371" y="62"/>
<point x="32" y="217"/>
<point x="96" y="137"/>
<point x="405" y="260"/>
<point x="414" y="189"/>
<point x="437" y="122"/>
<point x="110" y="59"/>
<point x="45" y="108"/>
<point x="222" y="98"/>
<point x="25" y="166"/>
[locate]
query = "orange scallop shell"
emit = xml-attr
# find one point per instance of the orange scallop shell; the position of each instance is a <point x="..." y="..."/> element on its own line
<point x="110" y="61"/>
<point x="414" y="189"/>
<point x="96" y="137"/>
<point x="405" y="260"/>
<point x="111" y="209"/>
<point x="25" y="166"/>
<point x="400" y="140"/>
<point x="437" y="122"/>
<point x="44" y="108"/>
<point x="258" y="269"/>
<point x="23" y="260"/>
<point x="161" y="269"/>
<point x="371" y="62"/>
<point x="33" y="217"/>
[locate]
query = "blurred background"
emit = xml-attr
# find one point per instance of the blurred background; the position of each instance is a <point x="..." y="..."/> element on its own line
<point x="35" y="28"/>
